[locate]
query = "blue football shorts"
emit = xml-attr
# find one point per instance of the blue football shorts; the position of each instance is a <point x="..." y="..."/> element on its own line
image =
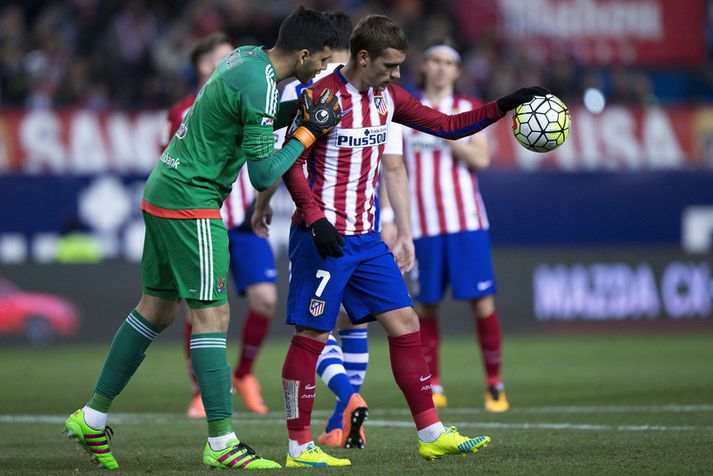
<point x="366" y="280"/>
<point x="462" y="260"/>
<point x="251" y="259"/>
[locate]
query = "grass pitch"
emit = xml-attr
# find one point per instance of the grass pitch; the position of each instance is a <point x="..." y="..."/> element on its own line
<point x="580" y="405"/>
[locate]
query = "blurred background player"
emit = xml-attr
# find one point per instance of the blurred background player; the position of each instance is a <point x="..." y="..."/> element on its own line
<point x="185" y="255"/>
<point x="335" y="219"/>
<point x="342" y="368"/>
<point x="450" y="225"/>
<point x="254" y="279"/>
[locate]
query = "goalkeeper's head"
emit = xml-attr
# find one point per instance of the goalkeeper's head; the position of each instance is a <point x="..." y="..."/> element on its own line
<point x="306" y="38"/>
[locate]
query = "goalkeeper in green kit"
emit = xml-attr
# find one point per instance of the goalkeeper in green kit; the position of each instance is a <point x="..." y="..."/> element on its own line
<point x="186" y="245"/>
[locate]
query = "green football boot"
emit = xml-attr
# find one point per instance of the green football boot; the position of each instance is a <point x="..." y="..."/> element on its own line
<point x="451" y="443"/>
<point x="237" y="455"/>
<point x="94" y="442"/>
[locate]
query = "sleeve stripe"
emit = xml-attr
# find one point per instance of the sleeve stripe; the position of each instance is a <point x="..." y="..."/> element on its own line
<point x="271" y="92"/>
<point x="457" y="133"/>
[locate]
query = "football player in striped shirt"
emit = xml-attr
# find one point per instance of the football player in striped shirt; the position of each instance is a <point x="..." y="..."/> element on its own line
<point x="450" y="225"/>
<point x="337" y="257"/>
<point x="185" y="253"/>
<point x="343" y="364"/>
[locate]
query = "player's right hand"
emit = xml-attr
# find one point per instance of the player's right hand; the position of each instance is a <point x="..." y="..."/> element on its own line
<point x="522" y="95"/>
<point x="404" y="254"/>
<point x="260" y="221"/>
<point x="389" y="232"/>
<point x="327" y="239"/>
<point x="316" y="118"/>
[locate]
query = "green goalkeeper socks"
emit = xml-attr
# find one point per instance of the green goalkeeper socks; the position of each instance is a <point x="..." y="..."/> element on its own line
<point x="210" y="364"/>
<point x="125" y="355"/>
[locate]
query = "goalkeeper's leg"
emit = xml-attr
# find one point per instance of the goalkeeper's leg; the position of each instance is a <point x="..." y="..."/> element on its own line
<point x="209" y="358"/>
<point x="87" y="426"/>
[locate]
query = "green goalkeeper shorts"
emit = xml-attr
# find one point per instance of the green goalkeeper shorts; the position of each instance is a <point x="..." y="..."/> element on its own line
<point x="186" y="259"/>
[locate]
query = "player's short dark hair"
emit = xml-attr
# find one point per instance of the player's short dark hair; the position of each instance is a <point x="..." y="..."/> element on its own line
<point x="375" y="33"/>
<point x="306" y="29"/>
<point x="343" y="24"/>
<point x="206" y="45"/>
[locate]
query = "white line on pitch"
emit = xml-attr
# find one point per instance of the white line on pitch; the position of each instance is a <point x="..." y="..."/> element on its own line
<point x="176" y="418"/>
<point x="569" y="410"/>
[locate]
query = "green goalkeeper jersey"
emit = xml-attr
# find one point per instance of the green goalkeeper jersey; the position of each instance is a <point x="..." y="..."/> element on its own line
<point x="231" y="122"/>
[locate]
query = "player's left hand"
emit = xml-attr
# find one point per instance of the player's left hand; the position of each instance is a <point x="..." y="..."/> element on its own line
<point x="260" y="221"/>
<point x="327" y="239"/>
<point x="521" y="96"/>
<point x="404" y="254"/>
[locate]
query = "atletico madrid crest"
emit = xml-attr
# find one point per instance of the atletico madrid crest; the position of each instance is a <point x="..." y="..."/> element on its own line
<point x="316" y="307"/>
<point x="380" y="104"/>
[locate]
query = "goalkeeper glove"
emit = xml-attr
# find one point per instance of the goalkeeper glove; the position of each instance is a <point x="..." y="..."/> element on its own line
<point x="315" y="119"/>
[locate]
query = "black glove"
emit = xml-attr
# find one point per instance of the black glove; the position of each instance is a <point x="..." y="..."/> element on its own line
<point x="326" y="238"/>
<point x="522" y="95"/>
<point x="315" y="119"/>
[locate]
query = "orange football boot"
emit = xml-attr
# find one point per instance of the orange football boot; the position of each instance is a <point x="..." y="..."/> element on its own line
<point x="249" y="389"/>
<point x="353" y="419"/>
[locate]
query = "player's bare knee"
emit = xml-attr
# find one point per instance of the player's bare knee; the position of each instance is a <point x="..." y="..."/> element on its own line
<point x="427" y="311"/>
<point x="483" y="307"/>
<point x="159" y="312"/>
<point x="262" y="298"/>
<point x="210" y="319"/>
<point x="310" y="333"/>
<point x="344" y="322"/>
<point x="264" y="308"/>
<point x="399" y="321"/>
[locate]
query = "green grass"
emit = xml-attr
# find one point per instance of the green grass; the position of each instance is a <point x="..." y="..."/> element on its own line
<point x="580" y="405"/>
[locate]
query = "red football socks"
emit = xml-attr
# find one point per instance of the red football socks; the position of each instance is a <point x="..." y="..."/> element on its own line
<point x="298" y="386"/>
<point x="489" y="339"/>
<point x="413" y="377"/>
<point x="430" y="343"/>
<point x="254" y="332"/>
<point x="187" y="330"/>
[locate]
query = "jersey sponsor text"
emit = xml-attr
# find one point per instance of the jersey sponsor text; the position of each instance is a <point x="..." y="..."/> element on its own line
<point x="361" y="137"/>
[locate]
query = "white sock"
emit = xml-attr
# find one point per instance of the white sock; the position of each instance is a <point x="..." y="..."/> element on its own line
<point x="295" y="449"/>
<point x="95" y="419"/>
<point x="431" y="432"/>
<point x="218" y="443"/>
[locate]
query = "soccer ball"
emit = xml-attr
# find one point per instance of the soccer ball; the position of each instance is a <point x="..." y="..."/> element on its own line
<point x="542" y="124"/>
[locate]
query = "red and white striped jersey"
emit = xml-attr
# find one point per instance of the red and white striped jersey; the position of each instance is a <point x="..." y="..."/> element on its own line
<point x="342" y="167"/>
<point x="235" y="206"/>
<point x="444" y="191"/>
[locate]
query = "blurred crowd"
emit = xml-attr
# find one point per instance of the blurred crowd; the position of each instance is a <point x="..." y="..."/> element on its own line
<point x="134" y="53"/>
